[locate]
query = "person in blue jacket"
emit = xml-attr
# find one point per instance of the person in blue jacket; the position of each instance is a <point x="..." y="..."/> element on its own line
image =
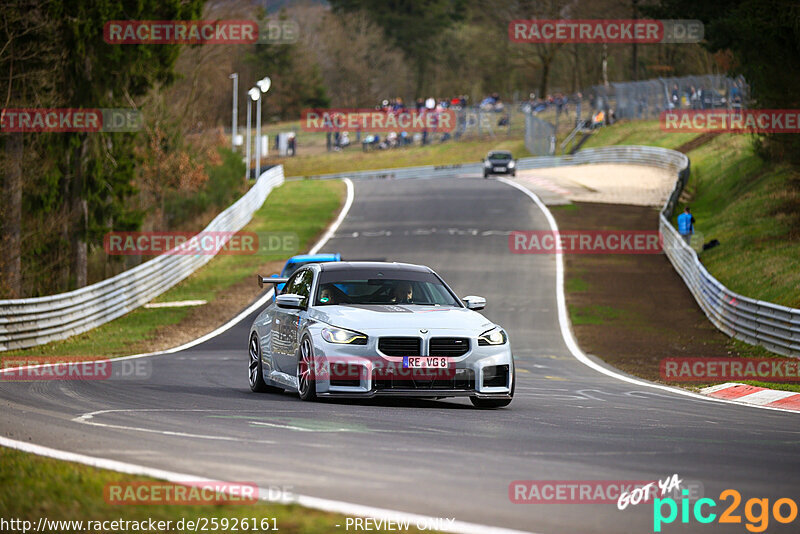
<point x="686" y="225"/>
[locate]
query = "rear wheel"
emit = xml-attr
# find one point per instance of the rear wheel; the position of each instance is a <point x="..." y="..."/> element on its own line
<point x="306" y="384"/>
<point x="256" y="372"/>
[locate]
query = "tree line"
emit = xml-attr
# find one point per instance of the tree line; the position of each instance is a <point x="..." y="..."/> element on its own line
<point x="61" y="192"/>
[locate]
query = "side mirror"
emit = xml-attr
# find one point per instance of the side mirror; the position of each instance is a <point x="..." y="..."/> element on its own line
<point x="474" y="303"/>
<point x="290" y="301"/>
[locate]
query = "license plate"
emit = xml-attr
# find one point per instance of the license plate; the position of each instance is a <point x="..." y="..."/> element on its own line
<point x="425" y="362"/>
<point x="499" y="169"/>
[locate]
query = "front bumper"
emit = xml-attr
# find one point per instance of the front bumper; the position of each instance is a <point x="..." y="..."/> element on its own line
<point x="499" y="170"/>
<point x="418" y="393"/>
<point x="484" y="371"/>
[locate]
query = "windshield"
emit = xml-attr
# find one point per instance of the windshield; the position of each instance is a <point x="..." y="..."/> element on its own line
<point x="500" y="155"/>
<point x="423" y="289"/>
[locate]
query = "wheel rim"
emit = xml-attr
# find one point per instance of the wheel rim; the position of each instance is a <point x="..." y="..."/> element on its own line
<point x="304" y="366"/>
<point x="255" y="361"/>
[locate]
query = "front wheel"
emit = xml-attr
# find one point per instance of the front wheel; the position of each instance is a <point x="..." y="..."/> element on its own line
<point x="485" y="174"/>
<point x="306" y="383"/>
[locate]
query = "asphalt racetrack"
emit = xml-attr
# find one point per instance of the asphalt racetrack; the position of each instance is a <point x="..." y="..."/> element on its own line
<point x="195" y="414"/>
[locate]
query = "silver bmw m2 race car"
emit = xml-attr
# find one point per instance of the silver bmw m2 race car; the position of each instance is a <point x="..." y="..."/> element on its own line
<point x="365" y="329"/>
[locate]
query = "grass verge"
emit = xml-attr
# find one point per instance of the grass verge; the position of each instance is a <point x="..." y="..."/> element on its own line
<point x="34" y="487"/>
<point x="647" y="133"/>
<point x="751" y="207"/>
<point x="304" y="207"/>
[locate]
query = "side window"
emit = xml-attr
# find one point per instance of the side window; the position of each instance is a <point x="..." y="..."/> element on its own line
<point x="303" y="284"/>
<point x="291" y="285"/>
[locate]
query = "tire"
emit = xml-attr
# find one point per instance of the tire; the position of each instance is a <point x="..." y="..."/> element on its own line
<point x="485" y="174"/>
<point x="256" y="372"/>
<point x="514" y="174"/>
<point x="306" y="385"/>
<point x="495" y="403"/>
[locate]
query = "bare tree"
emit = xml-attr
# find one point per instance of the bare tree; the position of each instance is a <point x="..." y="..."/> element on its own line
<point x="358" y="64"/>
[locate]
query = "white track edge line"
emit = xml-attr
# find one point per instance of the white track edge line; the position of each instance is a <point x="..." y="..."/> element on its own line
<point x="566" y="331"/>
<point x="247" y="311"/>
<point x="326" y="505"/>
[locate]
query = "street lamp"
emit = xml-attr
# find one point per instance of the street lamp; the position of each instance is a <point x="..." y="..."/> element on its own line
<point x="254" y="94"/>
<point x="235" y="78"/>
<point x="263" y="86"/>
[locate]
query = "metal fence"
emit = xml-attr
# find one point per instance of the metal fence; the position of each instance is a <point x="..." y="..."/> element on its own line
<point x="35" y="321"/>
<point x="648" y="98"/>
<point x="540" y="136"/>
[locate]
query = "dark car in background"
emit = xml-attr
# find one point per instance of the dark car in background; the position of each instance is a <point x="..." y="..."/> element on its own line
<point x="499" y="162"/>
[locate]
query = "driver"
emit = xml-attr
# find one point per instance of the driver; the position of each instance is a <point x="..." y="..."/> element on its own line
<point x="403" y="293"/>
<point x="326" y="296"/>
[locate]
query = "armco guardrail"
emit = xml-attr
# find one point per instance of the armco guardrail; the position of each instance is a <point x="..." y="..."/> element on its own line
<point x="35" y="321"/>
<point x="777" y="328"/>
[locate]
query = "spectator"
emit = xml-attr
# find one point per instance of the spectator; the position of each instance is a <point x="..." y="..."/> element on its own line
<point x="578" y="101"/>
<point x="686" y="225"/>
<point x="598" y="119"/>
<point x="694" y="98"/>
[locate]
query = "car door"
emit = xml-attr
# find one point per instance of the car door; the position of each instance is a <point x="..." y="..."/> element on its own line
<point x="288" y="322"/>
<point x="281" y="342"/>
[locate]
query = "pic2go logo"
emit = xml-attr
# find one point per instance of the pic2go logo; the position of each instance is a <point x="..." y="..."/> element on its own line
<point x="757" y="521"/>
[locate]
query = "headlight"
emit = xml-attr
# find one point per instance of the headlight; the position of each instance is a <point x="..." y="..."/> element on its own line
<point x="511" y="164"/>
<point x="495" y="336"/>
<point x="487" y="163"/>
<point x="342" y="336"/>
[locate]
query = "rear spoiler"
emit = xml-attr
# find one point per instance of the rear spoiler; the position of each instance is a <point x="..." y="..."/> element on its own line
<point x="270" y="280"/>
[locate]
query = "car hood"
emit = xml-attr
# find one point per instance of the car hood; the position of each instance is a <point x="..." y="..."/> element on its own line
<point x="402" y="317"/>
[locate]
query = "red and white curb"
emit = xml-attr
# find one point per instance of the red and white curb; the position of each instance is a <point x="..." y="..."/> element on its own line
<point x="773" y="398"/>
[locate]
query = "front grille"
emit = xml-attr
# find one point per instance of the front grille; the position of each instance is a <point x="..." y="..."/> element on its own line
<point x="400" y="346"/>
<point x="448" y="346"/>
<point x="462" y="379"/>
